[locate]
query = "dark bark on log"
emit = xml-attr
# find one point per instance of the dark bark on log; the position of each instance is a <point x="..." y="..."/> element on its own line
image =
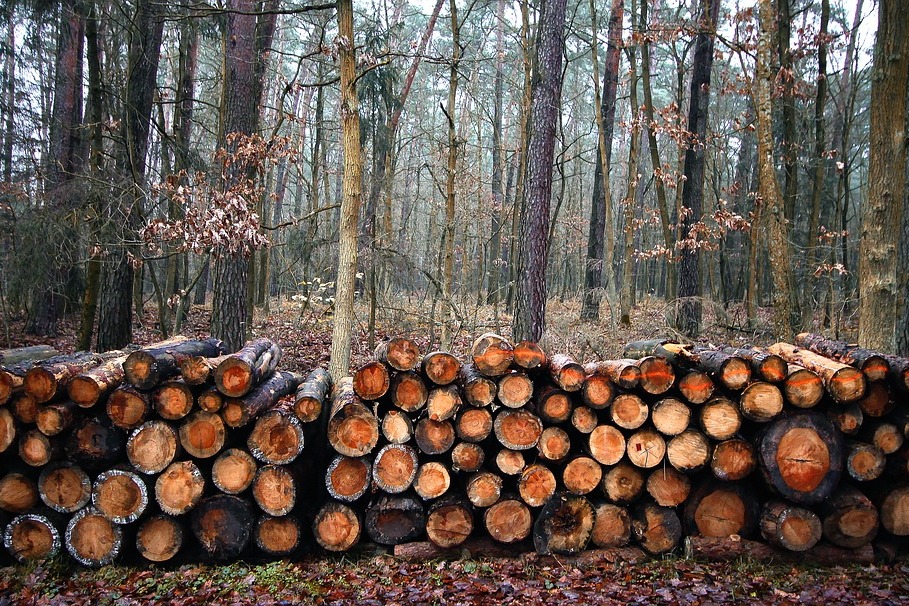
<point x="848" y="518"/>
<point x="95" y="444"/>
<point x="873" y="364"/>
<point x="147" y="367"/>
<point x="848" y="419"/>
<point x="210" y="399"/>
<point x="434" y="437"/>
<point x="242" y="371"/>
<point x="657" y="529"/>
<point x="238" y="412"/>
<point x="393" y="520"/>
<point x="624" y="373"/>
<point x="312" y="395"/>
<point x="564" y="526"/>
<point x="222" y="524"/>
<point x="878" y="401"/>
<point x="789" y="526"/>
<point x="94" y="384"/>
<point x="864" y="462"/>
<point x="844" y="383"/>
<point x="50" y="378"/>
<point x="764" y="365"/>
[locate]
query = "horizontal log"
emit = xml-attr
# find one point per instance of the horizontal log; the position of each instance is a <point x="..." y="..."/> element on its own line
<point x="873" y="364"/>
<point x="223" y="524"/>
<point x="147" y="367"/>
<point x="844" y="383"/>
<point x="492" y="354"/>
<point x="735" y="548"/>
<point x="92" y="539"/>
<point x="398" y="353"/>
<point x="159" y="538"/>
<point x="312" y="394"/>
<point x="243" y="370"/>
<point x="441" y="367"/>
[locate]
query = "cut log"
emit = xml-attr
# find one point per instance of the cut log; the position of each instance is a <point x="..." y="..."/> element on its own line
<point x="372" y="380"/>
<point x="198" y="370"/>
<point x="584" y="419"/>
<point x="202" y="434"/>
<point x="844" y="383"/>
<point x="873" y="364"/>
<point x="564" y="525"/>
<point x="657" y="529"/>
<point x="624" y="373"/>
<point x="670" y="416"/>
<point x="554" y="444"/>
<point x="612" y="527"/>
<point x="32" y="537"/>
<point x="7" y="429"/>
<point x="347" y="478"/>
<point x="886" y="436"/>
<point x="47" y="380"/>
<point x="729" y="370"/>
<point x="737" y="549"/>
<point x="276" y="438"/>
<point x="848" y="518"/>
<point x="689" y="451"/>
<point x="210" y="399"/>
<point x="695" y="386"/>
<point x="801" y="457"/>
<point x="441" y="367"/>
<point x="408" y="391"/>
<point x="179" y="488"/>
<point x="392" y="520"/>
<point x="30" y="353"/>
<point x="623" y="484"/>
<point x="536" y="485"/>
<point x="478" y="389"/>
<point x="312" y="395"/>
<point x="581" y="475"/>
<point x="173" y="400"/>
<point x="864" y="462"/>
<point x="18" y="493"/>
<point x="237" y="412"/>
<point x="899" y="372"/>
<point x="63" y="487"/>
<point x="553" y="405"/>
<point x="474" y="424"/>
<point x="510" y="462"/>
<point x="353" y="429"/>
<point x="764" y="365"/>
<point x="847" y="419"/>
<point x="336" y="527"/>
<point x="878" y="400"/>
<point x="514" y="389"/>
<point x="433" y="480"/>
<point x="11" y="380"/>
<point x="152" y="447"/>
<point x="483" y="489"/>
<point x="508" y="521"/>
<point x="597" y="391"/>
<point x="121" y="496"/>
<point x="91" y="539"/>
<point x="395" y="468"/>
<point x="732" y="460"/>
<point x="722" y="509"/>
<point x="443" y="402"/>
<point x="233" y="471"/>
<point x="36" y="449"/>
<point x="628" y="411"/>
<point x="761" y="402"/>
<point x="222" y="524"/>
<point x="95" y="384"/>
<point x="645" y="448"/>
<point x="803" y="388"/>
<point x="720" y="419"/>
<point x="492" y="354"/>
<point x="397" y="427"/>
<point x="668" y="487"/>
<point x="640" y="349"/>
<point x="24" y="407"/>
<point x="657" y="375"/>
<point x="242" y="371"/>
<point x="894" y="510"/>
<point x="467" y="457"/>
<point x="434" y="437"/>
<point x="95" y="444"/>
<point x="54" y="419"/>
<point x="274" y="490"/>
<point x="159" y="538"/>
<point x="149" y="366"/>
<point x="606" y="444"/>
<point x="517" y="429"/>
<point x="529" y="355"/>
<point x="566" y="373"/>
<point x="399" y="353"/>
<point x="790" y="527"/>
<point x="277" y="537"/>
<point x="449" y="522"/>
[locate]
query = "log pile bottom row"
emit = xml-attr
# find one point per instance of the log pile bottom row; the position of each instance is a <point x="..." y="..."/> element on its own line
<point x="182" y="451"/>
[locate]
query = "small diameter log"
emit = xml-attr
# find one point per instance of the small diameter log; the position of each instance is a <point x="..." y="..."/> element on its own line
<point x="336" y="527"/>
<point x="397" y="427"/>
<point x="553" y="405"/>
<point x="536" y="485"/>
<point x="878" y="401"/>
<point x="689" y="451"/>
<point x="645" y="448"/>
<point x="722" y="509"/>
<point x="173" y="400"/>
<point x="886" y="436"/>
<point x="27" y="354"/>
<point x="179" y="488"/>
<point x="222" y="524"/>
<point x="731" y="371"/>
<point x="159" y="538"/>
<point x="597" y="391"/>
<point x="803" y="388"/>
<point x="606" y="444"/>
<point x="732" y="460"/>
<point x="581" y="475"/>
<point x="277" y="537"/>
<point x="492" y="354"/>
<point x="790" y="527"/>
<point x="353" y="429"/>
<point x="32" y="537"/>
<point x="517" y="429"/>
<point x="657" y="529"/>
<point x="210" y="399"/>
<point x="198" y="370"/>
<point x="894" y="511"/>
<point x="514" y="389"/>
<point x="441" y="368"/>
<point x="121" y="496"/>
<point x="395" y="468"/>
<point x="483" y="489"/>
<point x="237" y="412"/>
<point x="670" y="416"/>
<point x="801" y="457"/>
<point x="274" y="490"/>
<point x="94" y="384"/>
<point x="529" y="355"/>
<point x="657" y="375"/>
<point x="667" y="486"/>
<point x="761" y="402"/>
<point x="508" y="521"/>
<point x="443" y="403"/>
<point x="764" y="365"/>
<point x="473" y="424"/>
<point x="348" y="478"/>
<point x="18" y="493"/>
<point x="554" y="444"/>
<point x="240" y="372"/>
<point x="128" y="407"/>
<point x="510" y="462"/>
<point x="36" y="449"/>
<point x="899" y="372"/>
<point x="152" y="447"/>
<point x="312" y="395"/>
<point x="95" y="444"/>
<point x="612" y="527"/>
<point x="479" y="390"/>
<point x="848" y="518"/>
<point x="149" y="366"/>
<point x="584" y="419"/>
<point x="864" y="462"/>
<point x="276" y="438"/>
<point x="233" y="471"/>
<point x="372" y="380"/>
<point x="92" y="539"/>
<point x="873" y="364"/>
<point x="202" y="434"/>
<point x="408" y="391"/>
<point x="62" y="486"/>
<point x="628" y="411"/>
<point x="844" y="383"/>
<point x="7" y="429"/>
<point x="467" y="457"/>
<point x="434" y="437"/>
<point x="47" y="380"/>
<point x="433" y="480"/>
<point x="847" y="419"/>
<point x="624" y="373"/>
<point x="566" y="373"/>
<point x="399" y="353"/>
<point x="695" y="386"/>
<point x="24" y="407"/>
<point x="393" y="520"/>
<point x="54" y="419"/>
<point x="720" y="419"/>
<point x="449" y="522"/>
<point x="564" y="525"/>
<point x="11" y="380"/>
<point x="623" y="484"/>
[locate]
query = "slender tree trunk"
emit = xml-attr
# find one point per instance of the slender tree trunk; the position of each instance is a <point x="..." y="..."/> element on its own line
<point x="448" y="235"/>
<point x="9" y="95"/>
<point x="626" y="297"/>
<point x="493" y="258"/>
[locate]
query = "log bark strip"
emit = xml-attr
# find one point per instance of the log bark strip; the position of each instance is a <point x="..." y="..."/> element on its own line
<point x="353" y="429"/>
<point x="393" y="520"/>
<point x="789" y="526"/>
<point x="94" y="384"/>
